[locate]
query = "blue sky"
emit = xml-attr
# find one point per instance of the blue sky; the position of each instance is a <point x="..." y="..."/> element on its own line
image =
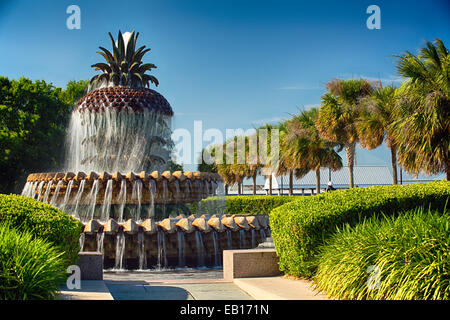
<point x="231" y="64"/>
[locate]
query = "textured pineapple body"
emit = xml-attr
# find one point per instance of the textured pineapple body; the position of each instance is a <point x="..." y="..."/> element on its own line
<point x="118" y="97"/>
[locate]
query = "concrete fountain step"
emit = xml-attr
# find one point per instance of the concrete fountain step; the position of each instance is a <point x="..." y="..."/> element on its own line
<point x="204" y="223"/>
<point x="155" y="187"/>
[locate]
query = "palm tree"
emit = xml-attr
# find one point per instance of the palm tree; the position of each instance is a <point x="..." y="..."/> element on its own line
<point x="307" y="150"/>
<point x="337" y="116"/>
<point x="286" y="164"/>
<point x="375" y="119"/>
<point x="422" y="127"/>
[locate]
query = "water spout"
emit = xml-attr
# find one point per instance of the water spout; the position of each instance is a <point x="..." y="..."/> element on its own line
<point x="162" y="257"/>
<point x="141" y="251"/>
<point x="200" y="249"/>
<point x="106" y="206"/>
<point x="56" y="193"/>
<point x="122" y="198"/>
<point x="67" y="195"/>
<point x="120" y="249"/>
<point x="242" y="242"/>
<point x="78" y="198"/>
<point x="136" y="195"/>
<point x="47" y="191"/>
<point x="215" y="239"/>
<point x="81" y="241"/>
<point x="181" y="249"/>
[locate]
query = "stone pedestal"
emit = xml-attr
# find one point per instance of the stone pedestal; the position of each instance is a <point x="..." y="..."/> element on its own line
<point x="250" y="263"/>
<point x="91" y="265"/>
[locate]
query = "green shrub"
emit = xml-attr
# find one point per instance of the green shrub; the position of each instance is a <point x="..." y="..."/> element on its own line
<point x="410" y="252"/>
<point x="43" y="221"/>
<point x="30" y="267"/>
<point x="241" y="204"/>
<point x="300" y="227"/>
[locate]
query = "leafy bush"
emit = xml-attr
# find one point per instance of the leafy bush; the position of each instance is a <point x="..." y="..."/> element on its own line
<point x="242" y="204"/>
<point x="43" y="221"/>
<point x="410" y="252"/>
<point x="30" y="268"/>
<point x="300" y="227"/>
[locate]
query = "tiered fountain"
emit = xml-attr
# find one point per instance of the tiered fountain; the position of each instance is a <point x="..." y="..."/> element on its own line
<point x="133" y="210"/>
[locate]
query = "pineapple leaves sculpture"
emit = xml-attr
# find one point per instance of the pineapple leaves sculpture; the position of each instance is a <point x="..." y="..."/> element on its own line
<point x="124" y="66"/>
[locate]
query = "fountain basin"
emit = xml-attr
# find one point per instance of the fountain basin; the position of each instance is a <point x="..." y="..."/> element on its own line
<point x="168" y="245"/>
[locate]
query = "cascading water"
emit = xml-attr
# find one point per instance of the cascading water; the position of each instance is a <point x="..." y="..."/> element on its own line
<point x="100" y="239"/>
<point x="39" y="190"/>
<point x="92" y="201"/>
<point x="81" y="241"/>
<point x="78" y="198"/>
<point x="136" y="195"/>
<point x="113" y="139"/>
<point x="200" y="248"/>
<point x="229" y="239"/>
<point x="215" y="240"/>
<point x="181" y="241"/>
<point x="47" y="191"/>
<point x="242" y="242"/>
<point x="56" y="193"/>
<point x="67" y="195"/>
<point x="152" y="190"/>
<point x="262" y="234"/>
<point x="122" y="199"/>
<point x="106" y="206"/>
<point x="120" y="248"/>
<point x="165" y="196"/>
<point x="253" y="238"/>
<point x="162" y="257"/>
<point x="141" y="251"/>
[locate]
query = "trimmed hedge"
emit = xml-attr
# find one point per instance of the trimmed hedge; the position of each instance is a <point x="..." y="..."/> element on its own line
<point x="299" y="228"/>
<point x="242" y="204"/>
<point x="30" y="268"/>
<point x="43" y="221"/>
<point x="389" y="258"/>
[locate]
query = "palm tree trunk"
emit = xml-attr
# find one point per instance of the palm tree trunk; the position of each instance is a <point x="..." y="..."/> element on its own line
<point x="350" y="153"/>
<point x="254" y="184"/>
<point x="239" y="188"/>
<point x="226" y="189"/>
<point x="394" y="164"/>
<point x="291" y="182"/>
<point x="270" y="184"/>
<point x="318" y="180"/>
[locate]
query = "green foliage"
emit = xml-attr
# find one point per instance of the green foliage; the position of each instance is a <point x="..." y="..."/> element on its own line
<point x="33" y="118"/>
<point x="43" y="221"/>
<point x="241" y="204"/>
<point x="124" y="65"/>
<point x="410" y="252"/>
<point x="299" y="228"/>
<point x="30" y="267"/>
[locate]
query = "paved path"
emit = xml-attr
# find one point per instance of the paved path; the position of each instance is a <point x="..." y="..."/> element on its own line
<point x="90" y="290"/>
<point x="199" y="290"/>
<point x="279" y="288"/>
<point x="129" y="287"/>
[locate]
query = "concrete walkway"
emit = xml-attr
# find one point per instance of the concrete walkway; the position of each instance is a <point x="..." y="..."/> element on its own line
<point x="90" y="290"/>
<point x="267" y="288"/>
<point x="279" y="288"/>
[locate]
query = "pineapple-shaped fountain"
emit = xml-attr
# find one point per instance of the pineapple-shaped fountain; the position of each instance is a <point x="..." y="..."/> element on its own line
<point x="115" y="180"/>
